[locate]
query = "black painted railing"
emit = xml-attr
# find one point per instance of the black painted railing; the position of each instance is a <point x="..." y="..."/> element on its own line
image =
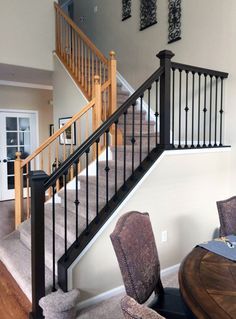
<point x="149" y="122"/>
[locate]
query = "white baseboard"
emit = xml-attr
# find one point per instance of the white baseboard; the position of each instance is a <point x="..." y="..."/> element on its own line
<point x="119" y="290"/>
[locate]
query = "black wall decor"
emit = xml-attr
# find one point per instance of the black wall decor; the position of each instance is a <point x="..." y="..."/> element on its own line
<point x="148" y="13"/>
<point x="126" y="9"/>
<point x="174" y="20"/>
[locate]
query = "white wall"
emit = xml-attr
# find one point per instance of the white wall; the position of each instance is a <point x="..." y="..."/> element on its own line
<point x="180" y="195"/>
<point x="27" y="33"/>
<point x="67" y="97"/>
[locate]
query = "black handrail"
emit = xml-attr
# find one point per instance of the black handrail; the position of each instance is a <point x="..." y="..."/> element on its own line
<point x="102" y="129"/>
<point x="196" y="69"/>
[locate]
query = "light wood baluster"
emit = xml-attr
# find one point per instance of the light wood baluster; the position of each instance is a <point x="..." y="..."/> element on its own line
<point x="89" y="73"/>
<point x="18" y="179"/>
<point x="57" y="163"/>
<point x="64" y="146"/>
<point x="79" y="60"/>
<point x="82" y="60"/>
<point x="41" y="162"/>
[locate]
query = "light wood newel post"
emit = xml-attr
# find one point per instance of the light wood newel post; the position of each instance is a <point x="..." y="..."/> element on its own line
<point x="18" y="172"/>
<point x="97" y="114"/>
<point x="112" y="76"/>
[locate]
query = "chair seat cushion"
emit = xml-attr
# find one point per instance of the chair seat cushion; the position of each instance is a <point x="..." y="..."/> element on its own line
<point x="171" y="305"/>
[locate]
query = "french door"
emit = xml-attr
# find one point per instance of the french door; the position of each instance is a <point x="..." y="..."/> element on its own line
<point x="18" y="134"/>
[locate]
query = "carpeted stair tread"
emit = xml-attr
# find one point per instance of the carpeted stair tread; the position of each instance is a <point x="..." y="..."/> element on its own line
<point x="17" y="258"/>
<point x="25" y="237"/>
<point x="60" y="220"/>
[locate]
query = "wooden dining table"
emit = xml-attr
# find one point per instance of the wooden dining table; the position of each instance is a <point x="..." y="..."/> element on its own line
<point x="208" y="284"/>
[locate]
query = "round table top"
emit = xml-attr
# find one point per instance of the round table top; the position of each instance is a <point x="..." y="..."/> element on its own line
<point x="208" y="284"/>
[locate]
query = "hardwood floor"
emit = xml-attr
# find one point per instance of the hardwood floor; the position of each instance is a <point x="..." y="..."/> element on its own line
<point x="13" y="302"/>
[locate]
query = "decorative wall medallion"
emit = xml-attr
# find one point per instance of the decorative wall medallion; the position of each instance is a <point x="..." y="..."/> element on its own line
<point x="148" y="13"/>
<point x="126" y="9"/>
<point x="174" y="20"/>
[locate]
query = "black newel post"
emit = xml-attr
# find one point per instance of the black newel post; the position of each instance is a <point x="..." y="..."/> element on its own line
<point x="37" y="179"/>
<point x="165" y="57"/>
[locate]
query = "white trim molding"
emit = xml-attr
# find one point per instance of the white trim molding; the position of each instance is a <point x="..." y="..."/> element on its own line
<point x="27" y="85"/>
<point x="120" y="290"/>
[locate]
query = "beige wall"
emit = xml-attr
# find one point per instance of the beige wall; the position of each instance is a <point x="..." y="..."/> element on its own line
<point x="181" y="192"/>
<point x="29" y="99"/>
<point x="67" y="98"/>
<point x="27" y="33"/>
<point x="180" y="195"/>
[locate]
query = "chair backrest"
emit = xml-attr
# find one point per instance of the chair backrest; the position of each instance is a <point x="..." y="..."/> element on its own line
<point x="227" y="216"/>
<point x="135" y="248"/>
<point x="133" y="310"/>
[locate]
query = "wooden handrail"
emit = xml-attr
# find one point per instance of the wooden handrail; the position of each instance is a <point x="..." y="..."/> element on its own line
<point x="52" y="138"/>
<point x="81" y="34"/>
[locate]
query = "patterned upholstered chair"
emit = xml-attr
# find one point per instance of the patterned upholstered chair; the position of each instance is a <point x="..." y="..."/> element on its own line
<point x="133" y="310"/>
<point x="227" y="216"/>
<point x="136" y="251"/>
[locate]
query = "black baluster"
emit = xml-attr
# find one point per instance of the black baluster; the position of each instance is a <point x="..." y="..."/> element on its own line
<point x="193" y="100"/>
<point x="76" y="201"/>
<point x="116" y="123"/>
<point x="180" y="104"/>
<point x="87" y="190"/>
<point x="210" y="115"/>
<point x="186" y="113"/>
<point x="216" y="102"/>
<point x="205" y="111"/>
<point x="107" y="167"/>
<point x="199" y="108"/>
<point x="97" y="179"/>
<point x="173" y="109"/>
<point x="141" y="129"/>
<point x="133" y="138"/>
<point x="53" y="241"/>
<point x="124" y="171"/>
<point x="156" y="113"/>
<point x="149" y="110"/>
<point x="65" y="212"/>
<point x="221" y="111"/>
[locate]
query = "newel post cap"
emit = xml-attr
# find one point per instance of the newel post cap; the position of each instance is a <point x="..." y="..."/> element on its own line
<point x="97" y="79"/>
<point x="112" y="55"/>
<point x="165" y="54"/>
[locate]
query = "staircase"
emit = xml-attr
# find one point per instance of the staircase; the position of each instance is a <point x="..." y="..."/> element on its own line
<point x="128" y="135"/>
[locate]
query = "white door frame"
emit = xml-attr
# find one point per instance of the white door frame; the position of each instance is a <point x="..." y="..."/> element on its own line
<point x="36" y="139"/>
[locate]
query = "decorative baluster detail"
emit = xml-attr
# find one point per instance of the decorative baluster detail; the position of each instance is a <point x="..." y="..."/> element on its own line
<point x="149" y="110"/>
<point x="87" y="190"/>
<point x="173" y="108"/>
<point x="193" y="105"/>
<point x="216" y="112"/>
<point x="97" y="178"/>
<point x="205" y="111"/>
<point x="125" y="137"/>
<point x="18" y="179"/>
<point x="107" y="169"/>
<point x="186" y="113"/>
<point x="221" y="111"/>
<point x="199" y="108"/>
<point x="180" y="105"/>
<point x="210" y="115"/>
<point x="65" y="212"/>
<point x="77" y="202"/>
<point x="53" y="240"/>
<point x="133" y="137"/>
<point x="116" y="123"/>
<point x="141" y="129"/>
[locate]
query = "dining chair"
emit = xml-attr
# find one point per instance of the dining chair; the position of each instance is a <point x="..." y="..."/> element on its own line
<point x="133" y="310"/>
<point x="137" y="255"/>
<point x="227" y="215"/>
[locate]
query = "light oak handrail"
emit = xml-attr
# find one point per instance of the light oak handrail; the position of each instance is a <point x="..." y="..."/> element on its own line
<point x="60" y="131"/>
<point x="81" y="34"/>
